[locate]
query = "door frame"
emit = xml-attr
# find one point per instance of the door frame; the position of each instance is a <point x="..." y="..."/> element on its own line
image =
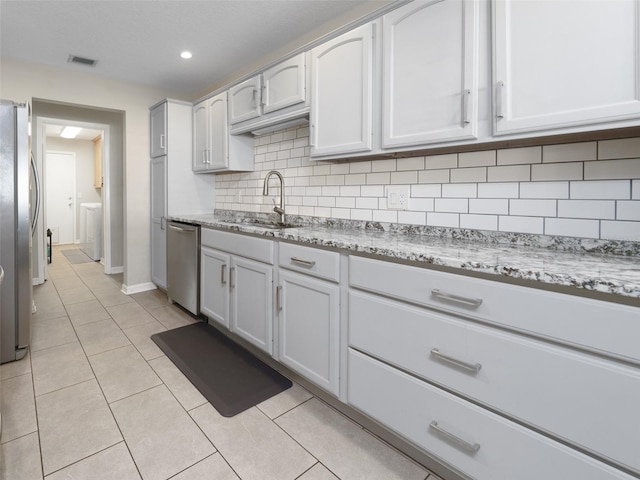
<point x="74" y="230"/>
<point x="41" y="148"/>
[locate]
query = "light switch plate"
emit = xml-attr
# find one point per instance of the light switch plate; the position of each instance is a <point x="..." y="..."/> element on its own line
<point x="398" y="197"/>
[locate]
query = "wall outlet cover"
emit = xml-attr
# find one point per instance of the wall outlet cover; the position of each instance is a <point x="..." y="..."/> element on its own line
<point x="398" y="197"/>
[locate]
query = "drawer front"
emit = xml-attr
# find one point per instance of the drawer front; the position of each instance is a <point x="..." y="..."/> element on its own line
<point x="594" y="324"/>
<point x="505" y="450"/>
<point x="250" y="247"/>
<point x="312" y="261"/>
<point x="586" y="400"/>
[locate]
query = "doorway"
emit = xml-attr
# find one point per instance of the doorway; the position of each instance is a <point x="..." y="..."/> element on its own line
<point x="60" y="196"/>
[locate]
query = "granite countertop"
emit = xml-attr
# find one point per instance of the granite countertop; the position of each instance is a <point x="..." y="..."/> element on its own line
<point x="579" y="263"/>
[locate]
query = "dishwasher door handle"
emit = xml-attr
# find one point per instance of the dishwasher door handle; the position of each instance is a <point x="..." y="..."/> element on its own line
<point x="181" y="229"/>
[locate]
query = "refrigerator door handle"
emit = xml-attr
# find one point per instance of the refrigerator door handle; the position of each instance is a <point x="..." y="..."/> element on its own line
<point x="36" y="178"/>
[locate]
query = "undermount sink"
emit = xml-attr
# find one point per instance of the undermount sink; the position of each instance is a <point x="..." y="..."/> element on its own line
<point x="249" y="223"/>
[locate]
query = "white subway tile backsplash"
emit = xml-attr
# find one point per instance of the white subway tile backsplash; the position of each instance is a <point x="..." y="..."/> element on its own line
<point x="433" y="176"/>
<point x="620" y="148"/>
<point x="527" y="190"/>
<point x="411" y="163"/>
<point x="498" y="190"/>
<point x="605" y="209"/>
<point x="521" y="224"/>
<point x="460" y="190"/>
<point x="464" y="175"/>
<point x="498" y="206"/>
<point x="431" y="190"/>
<point x="479" y="222"/>
<point x="438" y="162"/>
<point x="383" y="166"/>
<point x="519" y="156"/>
<point x="533" y="208"/>
<point x="613" y="230"/>
<point x="557" y="171"/>
<point x="611" y="169"/>
<point x="451" y="220"/>
<point x="412" y="218"/>
<point x="451" y="205"/>
<point x="544" y="190"/>
<point x="570" y="152"/>
<point x="509" y="173"/>
<point x="628" y="210"/>
<point x="569" y="227"/>
<point x="477" y="159"/>
<point x="601" y="190"/>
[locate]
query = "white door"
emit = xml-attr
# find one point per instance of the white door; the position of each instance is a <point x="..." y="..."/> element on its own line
<point x="214" y="285"/>
<point x="341" y="100"/>
<point x="430" y="75"/>
<point x="218" y="155"/>
<point x="159" y="130"/>
<point x="244" y="100"/>
<point x="284" y="84"/>
<point x="159" y="221"/>
<point x="200" y="136"/>
<point x="564" y="64"/>
<point x="60" y="204"/>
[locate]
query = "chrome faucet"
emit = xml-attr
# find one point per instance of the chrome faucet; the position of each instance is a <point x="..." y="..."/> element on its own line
<point x="265" y="191"/>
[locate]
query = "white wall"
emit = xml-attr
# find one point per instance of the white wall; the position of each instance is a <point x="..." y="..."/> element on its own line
<point x="85" y="191"/>
<point x="22" y="81"/>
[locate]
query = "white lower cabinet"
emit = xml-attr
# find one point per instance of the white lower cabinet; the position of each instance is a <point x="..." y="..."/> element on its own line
<point x="309" y="325"/>
<point x="214" y="285"/>
<point x="477" y="442"/>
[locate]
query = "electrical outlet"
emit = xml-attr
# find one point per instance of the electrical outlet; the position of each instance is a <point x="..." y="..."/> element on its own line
<point x="398" y="197"/>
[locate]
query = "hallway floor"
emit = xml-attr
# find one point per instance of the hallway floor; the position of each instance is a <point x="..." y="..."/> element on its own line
<point x="97" y="399"/>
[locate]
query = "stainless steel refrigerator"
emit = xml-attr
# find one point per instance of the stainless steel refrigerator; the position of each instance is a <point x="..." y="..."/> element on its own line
<point x="16" y="223"/>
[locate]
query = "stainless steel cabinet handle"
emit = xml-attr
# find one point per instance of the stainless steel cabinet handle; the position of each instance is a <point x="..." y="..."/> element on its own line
<point x="263" y="96"/>
<point x="465" y="107"/>
<point x="163" y="222"/>
<point x="471" y="367"/>
<point x="223" y="269"/>
<point x="499" y="99"/>
<point x="474" y="302"/>
<point x="162" y="141"/>
<point x="204" y="156"/>
<point x="181" y="229"/>
<point x="471" y="448"/>
<point x="232" y="283"/>
<point x="306" y="263"/>
<point x="278" y="300"/>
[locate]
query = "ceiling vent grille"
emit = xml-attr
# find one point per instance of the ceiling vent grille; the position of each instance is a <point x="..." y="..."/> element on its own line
<point x="82" y="61"/>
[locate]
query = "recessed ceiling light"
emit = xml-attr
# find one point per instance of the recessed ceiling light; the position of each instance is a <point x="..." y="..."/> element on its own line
<point x="70" y="132"/>
<point x="186" y="54"/>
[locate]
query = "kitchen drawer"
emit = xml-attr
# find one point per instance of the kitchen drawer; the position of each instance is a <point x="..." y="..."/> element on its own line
<point x="586" y="400"/>
<point x="594" y="324"/>
<point x="250" y="247"/>
<point x="507" y="451"/>
<point x="312" y="261"/>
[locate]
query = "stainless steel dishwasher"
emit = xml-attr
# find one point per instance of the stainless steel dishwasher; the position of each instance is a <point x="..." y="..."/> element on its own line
<point x="183" y="265"/>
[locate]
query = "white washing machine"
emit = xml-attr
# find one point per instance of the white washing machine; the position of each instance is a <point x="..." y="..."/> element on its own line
<point x="91" y="229"/>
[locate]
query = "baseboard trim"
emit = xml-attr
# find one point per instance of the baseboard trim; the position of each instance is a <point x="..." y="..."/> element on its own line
<point x="115" y="270"/>
<point x="140" y="287"/>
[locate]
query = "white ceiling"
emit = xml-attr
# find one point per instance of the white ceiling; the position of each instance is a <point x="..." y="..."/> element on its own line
<point x="140" y="40"/>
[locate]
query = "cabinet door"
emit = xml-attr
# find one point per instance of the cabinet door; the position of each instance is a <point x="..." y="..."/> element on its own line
<point x="284" y="84"/>
<point x="564" y="64"/>
<point x="252" y="302"/>
<point x="341" y="102"/>
<point x="244" y="100"/>
<point x="158" y="221"/>
<point x="159" y="130"/>
<point x="430" y="75"/>
<point x="218" y="154"/>
<point x="200" y="136"/>
<point x="97" y="161"/>
<point x="309" y="329"/>
<point x="214" y="285"/>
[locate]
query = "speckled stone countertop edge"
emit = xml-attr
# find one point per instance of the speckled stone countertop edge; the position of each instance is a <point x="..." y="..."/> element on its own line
<point x="607" y="267"/>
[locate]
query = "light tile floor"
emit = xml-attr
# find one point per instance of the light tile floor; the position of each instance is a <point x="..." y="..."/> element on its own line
<point x="96" y="399"/>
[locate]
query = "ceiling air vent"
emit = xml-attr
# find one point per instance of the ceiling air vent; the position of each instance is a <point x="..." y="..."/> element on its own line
<point x="82" y="61"/>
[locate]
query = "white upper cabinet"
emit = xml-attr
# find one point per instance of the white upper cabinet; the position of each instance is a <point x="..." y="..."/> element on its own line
<point x="245" y="100"/>
<point x="562" y="64"/>
<point x="214" y="150"/>
<point x="341" y="86"/>
<point x="158" y="129"/>
<point x="278" y="94"/>
<point x="430" y="70"/>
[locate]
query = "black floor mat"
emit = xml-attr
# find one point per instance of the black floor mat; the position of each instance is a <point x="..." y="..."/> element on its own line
<point x="230" y="377"/>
